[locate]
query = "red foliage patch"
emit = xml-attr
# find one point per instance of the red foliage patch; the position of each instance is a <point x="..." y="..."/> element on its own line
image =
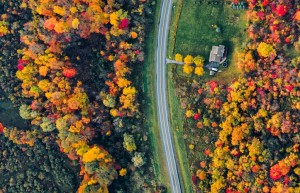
<point x="124" y="23"/>
<point x="20" y="67"/>
<point x="265" y="3"/>
<point x="212" y="85"/>
<point x="194" y="179"/>
<point x="253" y="2"/>
<point x="286" y="180"/>
<point x="117" y="167"/>
<point x="281" y="10"/>
<point x="196" y="116"/>
<point x="1" y="128"/>
<point x="289" y="87"/>
<point x="229" y="190"/>
<point x="261" y="15"/>
<point x="22" y="62"/>
<point x="287" y="40"/>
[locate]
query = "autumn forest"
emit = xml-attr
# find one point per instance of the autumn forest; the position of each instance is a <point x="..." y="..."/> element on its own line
<point x="70" y="68"/>
<point x="78" y="111"/>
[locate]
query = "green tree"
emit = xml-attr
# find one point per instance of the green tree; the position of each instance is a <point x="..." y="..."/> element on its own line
<point x="129" y="143"/>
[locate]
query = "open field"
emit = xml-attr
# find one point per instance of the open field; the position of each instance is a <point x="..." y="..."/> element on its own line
<point x="195" y="34"/>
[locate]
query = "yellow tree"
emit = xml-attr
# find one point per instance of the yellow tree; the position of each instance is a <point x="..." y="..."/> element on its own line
<point x="265" y="50"/>
<point x="3" y="28"/>
<point x="178" y="57"/>
<point x="189" y="113"/>
<point x="129" y="143"/>
<point x="123" y="82"/>
<point x="188" y="59"/>
<point x="199" y="61"/>
<point x="188" y="69"/>
<point x="199" y="71"/>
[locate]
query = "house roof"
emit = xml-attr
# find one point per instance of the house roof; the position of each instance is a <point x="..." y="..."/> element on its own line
<point x="211" y="65"/>
<point x="216" y="53"/>
<point x="221" y="50"/>
<point x="214" y="49"/>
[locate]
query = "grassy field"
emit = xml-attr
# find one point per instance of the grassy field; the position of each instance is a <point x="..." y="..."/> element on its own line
<point x="195" y="34"/>
<point x="177" y="118"/>
<point x="150" y="105"/>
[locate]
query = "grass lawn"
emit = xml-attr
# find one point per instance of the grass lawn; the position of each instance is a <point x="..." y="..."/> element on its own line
<point x="151" y="123"/>
<point x="177" y="118"/>
<point x="195" y="34"/>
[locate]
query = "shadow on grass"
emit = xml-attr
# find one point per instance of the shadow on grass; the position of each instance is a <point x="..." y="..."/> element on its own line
<point x="229" y="47"/>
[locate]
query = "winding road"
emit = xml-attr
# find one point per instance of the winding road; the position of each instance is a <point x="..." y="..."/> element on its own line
<point x="161" y="95"/>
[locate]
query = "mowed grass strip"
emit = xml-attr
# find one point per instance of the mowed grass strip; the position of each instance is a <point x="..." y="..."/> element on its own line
<point x="151" y="122"/>
<point x="176" y="11"/>
<point x="176" y="119"/>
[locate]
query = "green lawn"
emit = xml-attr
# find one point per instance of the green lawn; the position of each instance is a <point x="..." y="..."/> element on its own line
<point x="151" y="123"/>
<point x="195" y="34"/>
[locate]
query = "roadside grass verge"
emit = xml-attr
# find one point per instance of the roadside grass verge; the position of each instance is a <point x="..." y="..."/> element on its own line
<point x="149" y="105"/>
<point x="177" y="119"/>
<point x="176" y="11"/>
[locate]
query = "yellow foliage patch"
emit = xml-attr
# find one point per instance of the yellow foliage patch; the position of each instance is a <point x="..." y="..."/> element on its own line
<point x="59" y="10"/>
<point x="75" y="23"/>
<point x="123" y="172"/>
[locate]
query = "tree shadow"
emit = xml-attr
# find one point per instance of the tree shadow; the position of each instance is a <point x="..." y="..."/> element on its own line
<point x="229" y="47"/>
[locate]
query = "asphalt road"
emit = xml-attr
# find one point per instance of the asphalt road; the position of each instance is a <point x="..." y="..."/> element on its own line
<point x="161" y="95"/>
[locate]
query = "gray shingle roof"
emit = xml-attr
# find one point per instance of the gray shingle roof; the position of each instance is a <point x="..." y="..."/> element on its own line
<point x="216" y="53"/>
